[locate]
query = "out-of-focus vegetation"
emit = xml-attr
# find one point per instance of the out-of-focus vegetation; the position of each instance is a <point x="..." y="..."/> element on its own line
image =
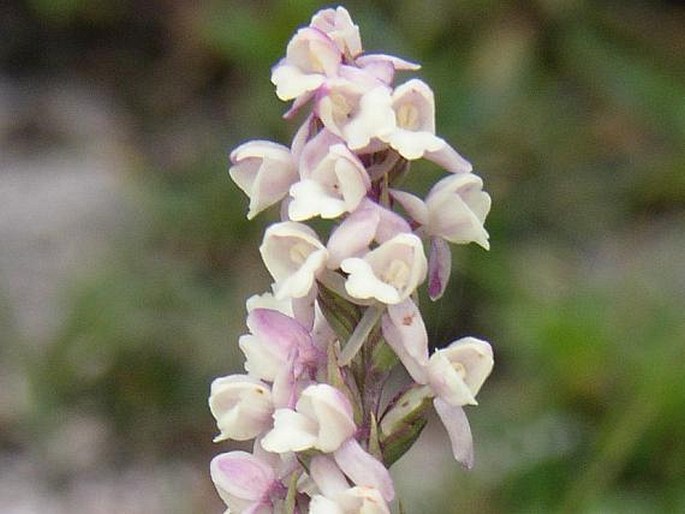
<point x="572" y="111"/>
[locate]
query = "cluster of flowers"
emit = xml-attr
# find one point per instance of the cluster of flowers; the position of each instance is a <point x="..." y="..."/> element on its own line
<point x="341" y="315"/>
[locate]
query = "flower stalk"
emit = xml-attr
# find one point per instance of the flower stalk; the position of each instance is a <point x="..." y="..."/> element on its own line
<point x="343" y="311"/>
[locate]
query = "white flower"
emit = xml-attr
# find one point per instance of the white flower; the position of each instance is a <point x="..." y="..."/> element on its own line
<point x="242" y="407"/>
<point x="356" y="107"/>
<point x="293" y="255"/>
<point x="454" y="210"/>
<point x="332" y="183"/>
<point x="264" y="171"/>
<point x="389" y="273"/>
<point x="243" y="481"/>
<point x="457" y="207"/>
<point x="338" y="25"/>
<point x="322" y="419"/>
<point x="310" y="58"/>
<point x="456" y="373"/>
<point x="414" y="133"/>
<point x="274" y="341"/>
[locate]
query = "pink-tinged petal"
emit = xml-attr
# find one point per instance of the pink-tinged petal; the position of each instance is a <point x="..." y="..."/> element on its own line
<point x="364" y="469"/>
<point x="336" y="104"/>
<point x="474" y="358"/>
<point x="439" y="267"/>
<point x="292" y="432"/>
<point x="384" y="66"/>
<point x="458" y="430"/>
<point x="264" y="171"/>
<point x="405" y="332"/>
<point x="458" y="206"/>
<point x="310" y="198"/>
<point x="388" y="273"/>
<point x="301" y="137"/>
<point x="322" y="505"/>
<point x="353" y="236"/>
<point x="259" y="508"/>
<point x="313" y="52"/>
<point x="338" y="25"/>
<point x="373" y="118"/>
<point x="294" y="256"/>
<point x="362" y="282"/>
<point x="332" y="411"/>
<point x="415" y="207"/>
<point x="413" y="145"/>
<point x="327" y="476"/>
<point x="382" y="70"/>
<point x="414" y="104"/>
<point x="446" y="380"/>
<point x="242" y="406"/>
<point x="316" y="151"/>
<point x="330" y="186"/>
<point x="284" y="389"/>
<point x="262" y="359"/>
<point x="280" y="330"/>
<point x="456" y="373"/>
<point x="311" y="56"/>
<point x="291" y="82"/>
<point x="240" y="478"/>
<point x="364" y="500"/>
<point x="447" y="158"/>
<point x="304" y="310"/>
<point x="300" y="101"/>
<point x="391" y="224"/>
<point x="397" y="62"/>
<point x="268" y="301"/>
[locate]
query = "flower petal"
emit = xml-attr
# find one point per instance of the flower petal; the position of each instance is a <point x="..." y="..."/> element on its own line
<point x="458" y="430"/>
<point x="364" y="469"/>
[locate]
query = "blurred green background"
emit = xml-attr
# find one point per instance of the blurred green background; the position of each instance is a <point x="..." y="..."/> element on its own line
<point x="125" y="256"/>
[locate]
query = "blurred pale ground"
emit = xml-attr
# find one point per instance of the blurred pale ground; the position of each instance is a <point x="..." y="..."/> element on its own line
<point x="125" y="257"/>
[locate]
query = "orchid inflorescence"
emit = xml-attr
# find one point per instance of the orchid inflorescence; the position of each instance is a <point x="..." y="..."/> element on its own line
<point x="343" y="314"/>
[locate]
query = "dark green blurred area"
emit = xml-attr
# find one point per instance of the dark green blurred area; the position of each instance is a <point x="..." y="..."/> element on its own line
<point x="573" y="112"/>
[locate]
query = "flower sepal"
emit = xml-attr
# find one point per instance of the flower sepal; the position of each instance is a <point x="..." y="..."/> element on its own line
<point x="403" y="422"/>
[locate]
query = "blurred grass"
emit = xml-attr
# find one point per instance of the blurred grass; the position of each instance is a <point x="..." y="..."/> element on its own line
<point x="574" y="114"/>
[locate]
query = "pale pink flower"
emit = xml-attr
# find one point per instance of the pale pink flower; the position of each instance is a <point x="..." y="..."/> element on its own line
<point x="244" y="482"/>
<point x="322" y="419"/>
<point x="242" y="407"/>
<point x="414" y="133"/>
<point x="333" y="180"/>
<point x="454" y="211"/>
<point x="458" y="206"/>
<point x="356" y="107"/>
<point x="338" y="25"/>
<point x="293" y="255"/>
<point x="457" y="372"/>
<point x="274" y="340"/>
<point x="388" y="273"/>
<point x="310" y="58"/>
<point x="264" y="171"/>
